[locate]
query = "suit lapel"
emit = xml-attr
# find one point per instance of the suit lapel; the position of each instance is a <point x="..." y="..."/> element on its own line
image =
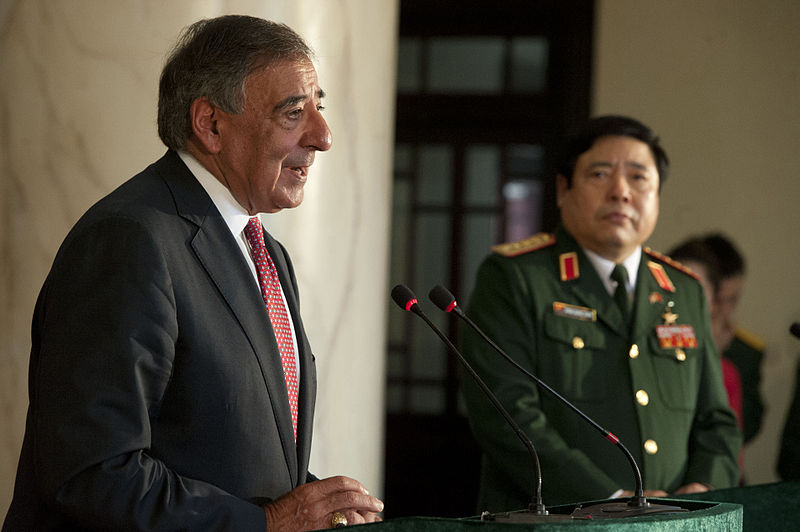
<point x="222" y="259"/>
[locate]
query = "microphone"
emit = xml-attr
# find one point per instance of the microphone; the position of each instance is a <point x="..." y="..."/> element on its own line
<point x="795" y="329"/>
<point x="406" y="300"/>
<point x="638" y="504"/>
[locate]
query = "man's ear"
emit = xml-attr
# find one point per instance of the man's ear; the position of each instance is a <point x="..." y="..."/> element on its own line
<point x="204" y="118"/>
<point x="561" y="188"/>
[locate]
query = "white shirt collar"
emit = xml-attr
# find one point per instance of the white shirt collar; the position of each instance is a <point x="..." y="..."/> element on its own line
<point x="235" y="216"/>
<point x="604" y="267"/>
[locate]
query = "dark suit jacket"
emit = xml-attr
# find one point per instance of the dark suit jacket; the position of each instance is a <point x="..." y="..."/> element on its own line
<point x="157" y="397"/>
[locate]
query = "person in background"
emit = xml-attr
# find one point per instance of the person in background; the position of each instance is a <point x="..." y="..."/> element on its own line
<point x="618" y="329"/>
<point x="740" y="346"/>
<point x="172" y="385"/>
<point x="722" y="269"/>
<point x="696" y="254"/>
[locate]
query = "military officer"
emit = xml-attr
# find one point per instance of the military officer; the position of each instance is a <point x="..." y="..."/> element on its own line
<point x="619" y="330"/>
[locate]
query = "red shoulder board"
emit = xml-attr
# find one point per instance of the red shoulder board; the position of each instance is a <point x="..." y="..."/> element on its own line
<point x="660" y="275"/>
<point x="532" y="243"/>
<point x="672" y="262"/>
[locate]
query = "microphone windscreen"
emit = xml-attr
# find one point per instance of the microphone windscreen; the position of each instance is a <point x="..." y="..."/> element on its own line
<point x="442" y="298"/>
<point x="402" y="295"/>
<point x="795" y="329"/>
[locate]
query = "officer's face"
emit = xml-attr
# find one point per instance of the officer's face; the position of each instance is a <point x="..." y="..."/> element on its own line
<point x="612" y="206"/>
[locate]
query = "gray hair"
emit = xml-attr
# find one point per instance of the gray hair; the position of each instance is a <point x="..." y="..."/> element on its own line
<point x="212" y="59"/>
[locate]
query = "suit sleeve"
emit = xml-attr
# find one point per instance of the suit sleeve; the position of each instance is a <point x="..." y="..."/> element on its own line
<point x="104" y="338"/>
<point x="501" y="306"/>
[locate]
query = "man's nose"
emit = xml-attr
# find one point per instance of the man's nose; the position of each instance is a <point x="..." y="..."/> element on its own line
<point x="620" y="189"/>
<point x="318" y="135"/>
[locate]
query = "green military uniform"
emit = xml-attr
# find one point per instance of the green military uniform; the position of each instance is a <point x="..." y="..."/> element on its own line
<point x="544" y="304"/>
<point x="746" y="351"/>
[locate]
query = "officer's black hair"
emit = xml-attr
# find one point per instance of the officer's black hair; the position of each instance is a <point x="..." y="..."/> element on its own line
<point x="611" y="125"/>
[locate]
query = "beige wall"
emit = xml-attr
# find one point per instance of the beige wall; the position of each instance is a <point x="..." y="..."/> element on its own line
<point x="720" y="81"/>
<point x="77" y="117"/>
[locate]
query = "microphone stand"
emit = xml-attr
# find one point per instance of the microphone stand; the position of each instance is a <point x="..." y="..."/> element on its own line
<point x="638" y="504"/>
<point x="536" y="512"/>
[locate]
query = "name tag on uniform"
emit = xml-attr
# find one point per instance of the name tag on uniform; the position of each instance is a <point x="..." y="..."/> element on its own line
<point x="574" y="312"/>
<point x="671" y="336"/>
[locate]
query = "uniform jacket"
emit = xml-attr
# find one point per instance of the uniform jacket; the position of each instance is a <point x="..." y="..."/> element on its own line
<point x="545" y="305"/>
<point x="157" y="397"/>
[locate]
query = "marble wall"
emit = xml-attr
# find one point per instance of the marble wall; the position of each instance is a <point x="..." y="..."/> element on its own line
<point x="77" y="117"/>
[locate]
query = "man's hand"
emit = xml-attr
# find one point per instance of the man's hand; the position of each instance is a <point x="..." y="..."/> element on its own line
<point x="646" y="493"/>
<point x="692" y="487"/>
<point x="311" y="506"/>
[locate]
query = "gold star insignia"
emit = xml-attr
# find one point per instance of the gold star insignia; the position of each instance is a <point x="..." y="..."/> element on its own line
<point x="669" y="316"/>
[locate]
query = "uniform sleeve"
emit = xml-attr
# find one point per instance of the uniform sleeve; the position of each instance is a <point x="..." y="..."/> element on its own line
<point x="105" y="331"/>
<point x="715" y="439"/>
<point x="501" y="306"/>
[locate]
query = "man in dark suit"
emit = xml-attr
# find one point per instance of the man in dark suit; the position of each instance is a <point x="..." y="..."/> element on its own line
<point x="620" y="330"/>
<point x="172" y="385"/>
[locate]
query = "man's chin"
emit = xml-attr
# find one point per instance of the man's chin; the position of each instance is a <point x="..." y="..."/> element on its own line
<point x="615" y="246"/>
<point x="292" y="201"/>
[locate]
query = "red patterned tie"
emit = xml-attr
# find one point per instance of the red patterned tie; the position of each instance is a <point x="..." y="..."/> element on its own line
<point x="271" y="292"/>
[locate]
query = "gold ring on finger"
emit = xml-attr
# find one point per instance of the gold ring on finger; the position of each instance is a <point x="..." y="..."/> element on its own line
<point x="338" y="520"/>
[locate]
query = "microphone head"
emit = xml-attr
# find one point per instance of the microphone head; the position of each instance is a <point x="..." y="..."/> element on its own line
<point x="442" y="298"/>
<point x="795" y="329"/>
<point x="404" y="297"/>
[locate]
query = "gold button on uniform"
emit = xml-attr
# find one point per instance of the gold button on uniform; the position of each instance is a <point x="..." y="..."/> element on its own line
<point x="642" y="398"/>
<point x="577" y="342"/>
<point x="680" y="354"/>
<point x="634" y="352"/>
<point x="651" y="447"/>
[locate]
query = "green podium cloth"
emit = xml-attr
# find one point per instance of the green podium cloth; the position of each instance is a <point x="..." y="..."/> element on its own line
<point x="703" y="516"/>
<point x="768" y="507"/>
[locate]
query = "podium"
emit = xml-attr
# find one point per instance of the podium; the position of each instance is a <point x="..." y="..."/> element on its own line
<point x="766" y="507"/>
<point x="761" y="508"/>
<point x="702" y="515"/>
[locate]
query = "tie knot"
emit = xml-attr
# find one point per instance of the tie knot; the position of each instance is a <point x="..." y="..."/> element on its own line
<point x="620" y="275"/>
<point x="254" y="233"/>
